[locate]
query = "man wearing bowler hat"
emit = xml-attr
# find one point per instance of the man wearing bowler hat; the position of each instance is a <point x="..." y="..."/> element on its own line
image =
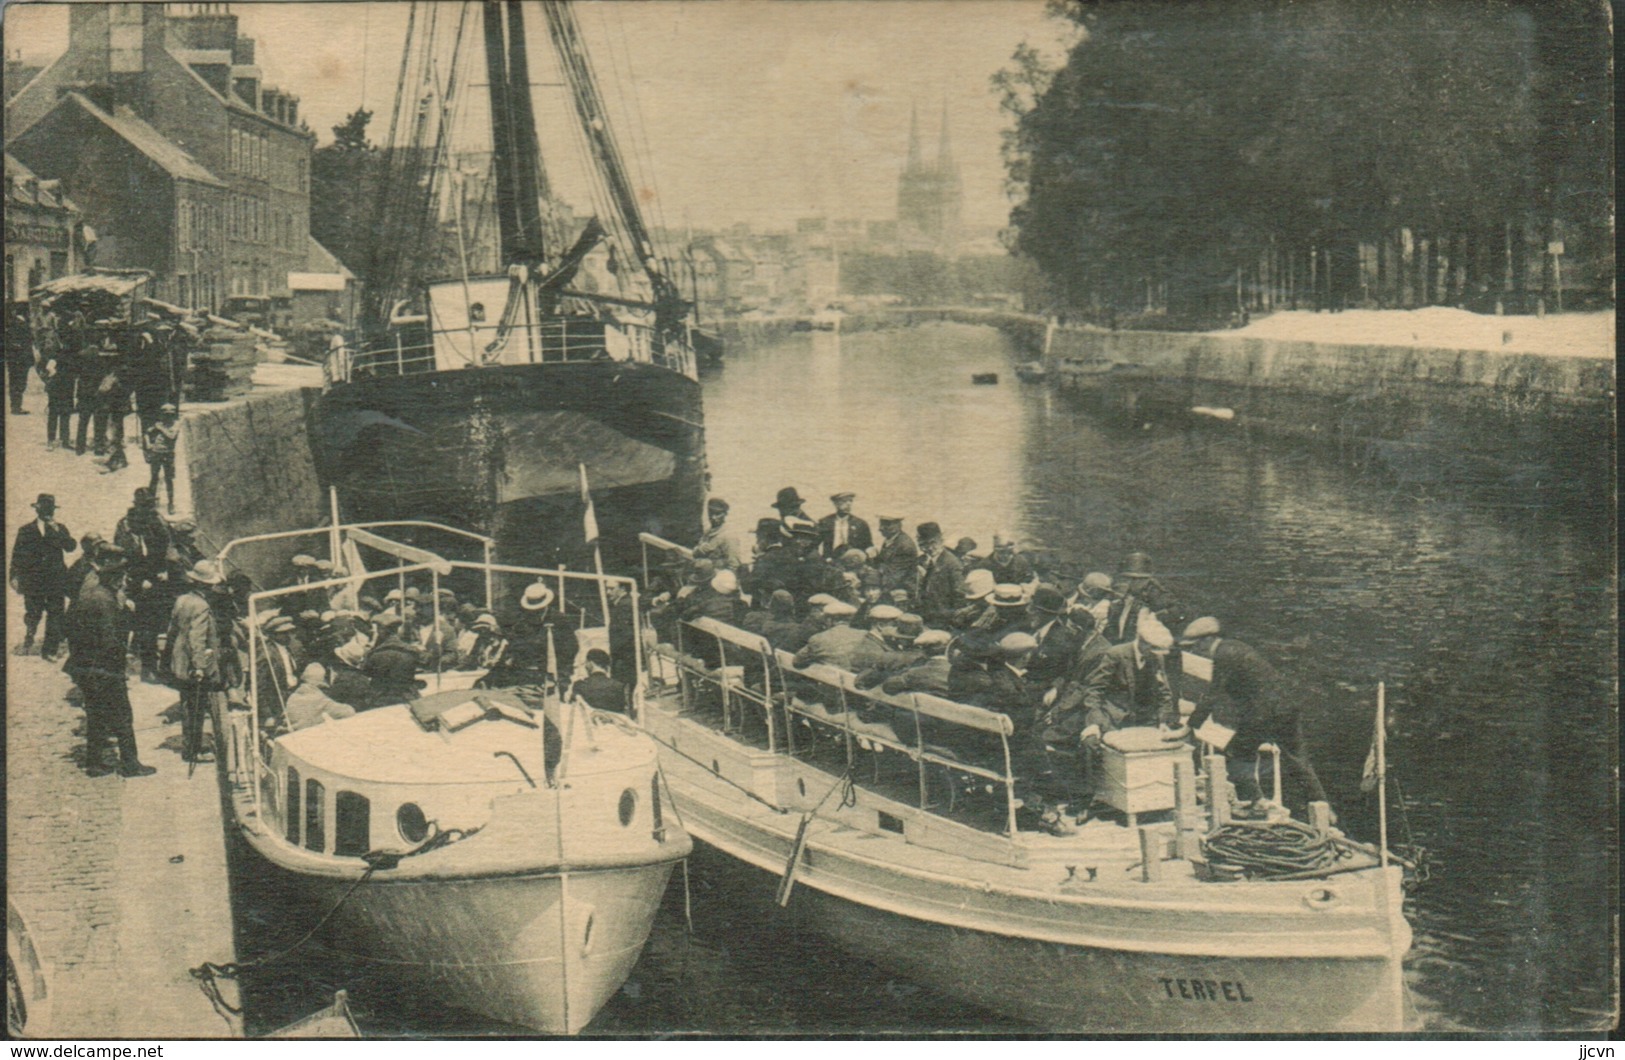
<point x="788" y="503"/>
<point x="942" y="581"/>
<point x="841" y="530"/>
<point x="40" y="574"/>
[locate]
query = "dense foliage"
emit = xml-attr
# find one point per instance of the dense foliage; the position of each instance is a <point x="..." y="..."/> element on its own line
<point x="344" y="184"/>
<point x="1199" y="159"/>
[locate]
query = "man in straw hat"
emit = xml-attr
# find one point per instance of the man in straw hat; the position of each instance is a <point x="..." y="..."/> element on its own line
<point x="40" y="574"/>
<point x="195" y="652"/>
<point x="96" y="664"/>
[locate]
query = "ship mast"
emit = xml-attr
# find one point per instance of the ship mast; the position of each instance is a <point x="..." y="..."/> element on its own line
<point x="670" y="307"/>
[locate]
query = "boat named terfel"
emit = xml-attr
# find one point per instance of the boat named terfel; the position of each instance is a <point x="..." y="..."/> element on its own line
<point x="891" y="825"/>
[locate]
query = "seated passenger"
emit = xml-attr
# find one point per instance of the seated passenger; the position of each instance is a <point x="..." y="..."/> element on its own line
<point x="836" y="642"/>
<point x="599" y="690"/>
<point x="309" y="704"/>
<point x="392" y="665"/>
<point x="928" y="672"/>
<point x="1129" y="686"/>
<point x="976" y="609"/>
<point x="347" y="682"/>
<point x="488" y="646"/>
<point x="783" y="630"/>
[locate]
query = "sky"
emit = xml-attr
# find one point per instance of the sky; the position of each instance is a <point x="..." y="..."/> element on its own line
<point x="743" y="110"/>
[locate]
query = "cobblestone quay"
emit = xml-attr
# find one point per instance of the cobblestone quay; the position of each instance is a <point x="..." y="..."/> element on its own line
<point x="122" y="883"/>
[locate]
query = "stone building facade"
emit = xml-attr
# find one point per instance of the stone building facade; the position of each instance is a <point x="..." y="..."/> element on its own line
<point x="174" y="91"/>
<point x="44" y="237"/>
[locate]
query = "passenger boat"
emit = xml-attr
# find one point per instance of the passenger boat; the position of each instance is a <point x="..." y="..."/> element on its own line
<point x="475" y="396"/>
<point x="498" y="852"/>
<point x="889" y="824"/>
<point x="1031" y="372"/>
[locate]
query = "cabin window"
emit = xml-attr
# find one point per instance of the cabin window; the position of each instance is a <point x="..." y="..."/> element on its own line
<point x="352" y="824"/>
<point x="293" y="815"/>
<point x="628" y="806"/>
<point x="315" y="805"/>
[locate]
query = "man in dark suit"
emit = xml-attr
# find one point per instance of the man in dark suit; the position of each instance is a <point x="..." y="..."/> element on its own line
<point x="841" y="530"/>
<point x="1058" y="639"/>
<point x="599" y="690"/>
<point x="942" y="581"/>
<point x="40" y="574"/>
<point x="897" y="557"/>
<point x="96" y="633"/>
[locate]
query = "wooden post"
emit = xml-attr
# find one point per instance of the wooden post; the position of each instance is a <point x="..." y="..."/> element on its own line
<point x="1218" y="791"/>
<point x="1188" y="840"/>
<point x="1382" y="773"/>
<point x="1320" y="817"/>
<point x="1150" y="855"/>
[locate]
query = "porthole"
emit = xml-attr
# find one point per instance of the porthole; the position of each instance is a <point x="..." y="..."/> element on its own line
<point x="413" y="826"/>
<point x="628" y="806"/>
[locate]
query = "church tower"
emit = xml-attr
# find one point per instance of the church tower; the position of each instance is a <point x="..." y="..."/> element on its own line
<point x="928" y="195"/>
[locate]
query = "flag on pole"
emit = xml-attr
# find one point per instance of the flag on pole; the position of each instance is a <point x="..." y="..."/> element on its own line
<point x="1368" y="775"/>
<point x="589" y="518"/>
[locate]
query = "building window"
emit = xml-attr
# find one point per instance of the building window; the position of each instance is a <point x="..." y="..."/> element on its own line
<point x="304" y="175"/>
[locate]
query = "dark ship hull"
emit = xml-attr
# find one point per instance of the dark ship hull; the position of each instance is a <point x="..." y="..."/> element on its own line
<point x="498" y="450"/>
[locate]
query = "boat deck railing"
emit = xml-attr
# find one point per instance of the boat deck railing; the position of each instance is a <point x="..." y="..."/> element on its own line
<point x="946" y="758"/>
<point x="249" y="751"/>
<point x="557" y="340"/>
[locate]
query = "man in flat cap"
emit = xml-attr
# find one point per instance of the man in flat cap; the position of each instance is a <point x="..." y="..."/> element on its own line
<point x="720" y="544"/>
<point x="836" y="643"/>
<point x="40" y="574"/>
<point x="392" y="665"/>
<point x="841" y="530"/>
<point x="1008" y="565"/>
<point x="1129" y="686"/>
<point x="770" y="568"/>
<point x="897" y="557"/>
<point x="1244" y="705"/>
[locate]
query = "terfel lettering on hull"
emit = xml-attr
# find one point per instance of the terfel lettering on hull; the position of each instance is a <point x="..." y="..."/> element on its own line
<point x="1205" y="989"/>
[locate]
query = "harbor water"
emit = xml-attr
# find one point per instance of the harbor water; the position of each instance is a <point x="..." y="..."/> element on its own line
<point x="1490" y="616"/>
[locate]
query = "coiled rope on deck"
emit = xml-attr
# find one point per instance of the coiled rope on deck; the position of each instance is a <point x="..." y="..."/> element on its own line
<point x="1270" y="850"/>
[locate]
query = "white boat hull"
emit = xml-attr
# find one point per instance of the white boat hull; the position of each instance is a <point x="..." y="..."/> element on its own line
<point x="543" y="951"/>
<point x="1112" y="955"/>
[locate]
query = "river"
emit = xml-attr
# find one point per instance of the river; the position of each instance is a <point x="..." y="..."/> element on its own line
<point x="1492" y="623"/>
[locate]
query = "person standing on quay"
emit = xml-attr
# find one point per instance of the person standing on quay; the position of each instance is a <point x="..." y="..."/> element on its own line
<point x="40" y="574"/>
<point x="158" y="444"/>
<point x="195" y="653"/>
<point x="19" y="354"/>
<point x="96" y="633"/>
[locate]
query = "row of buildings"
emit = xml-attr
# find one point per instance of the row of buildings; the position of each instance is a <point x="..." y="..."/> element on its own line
<point x="156" y="125"/>
<point x="153" y="142"/>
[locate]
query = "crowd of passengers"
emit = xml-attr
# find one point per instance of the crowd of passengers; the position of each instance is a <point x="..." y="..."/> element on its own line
<point x="1068" y="664"/>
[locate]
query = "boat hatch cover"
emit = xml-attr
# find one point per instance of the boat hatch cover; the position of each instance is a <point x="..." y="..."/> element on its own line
<point x="388" y="746"/>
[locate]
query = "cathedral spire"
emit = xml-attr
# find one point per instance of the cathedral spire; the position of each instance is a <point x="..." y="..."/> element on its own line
<point x="916" y="158"/>
<point x="945" y="157"/>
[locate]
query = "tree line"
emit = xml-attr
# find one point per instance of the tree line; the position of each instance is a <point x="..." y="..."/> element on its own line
<point x="1199" y="160"/>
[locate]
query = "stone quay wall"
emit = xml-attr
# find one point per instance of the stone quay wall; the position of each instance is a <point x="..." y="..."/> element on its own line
<point x="250" y="466"/>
